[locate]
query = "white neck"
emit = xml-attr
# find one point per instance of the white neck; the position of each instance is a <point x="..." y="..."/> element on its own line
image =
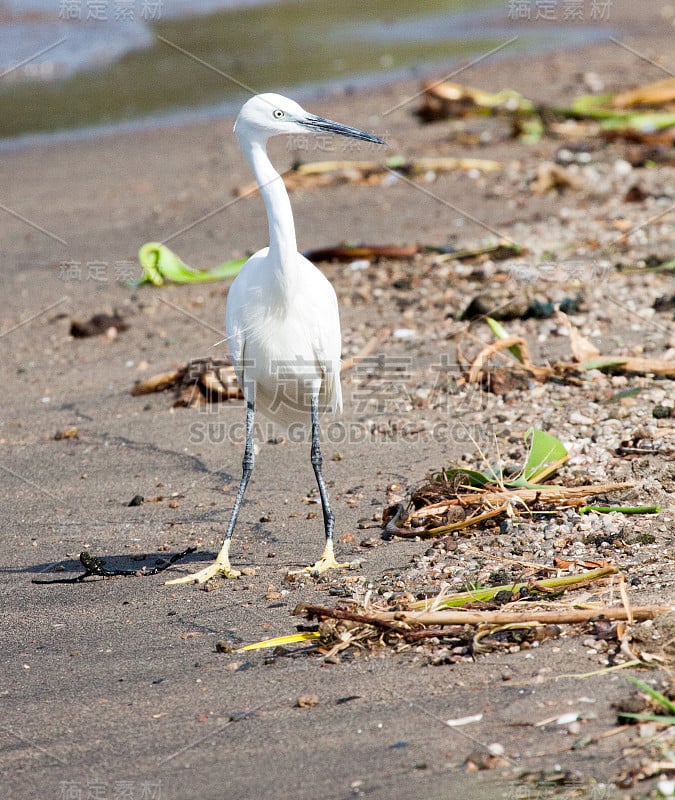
<point x="283" y="247"/>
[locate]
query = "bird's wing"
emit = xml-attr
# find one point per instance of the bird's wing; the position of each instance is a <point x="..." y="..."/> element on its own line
<point x="327" y="338"/>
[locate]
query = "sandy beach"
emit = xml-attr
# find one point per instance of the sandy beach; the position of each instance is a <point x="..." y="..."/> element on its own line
<point x="114" y="688"/>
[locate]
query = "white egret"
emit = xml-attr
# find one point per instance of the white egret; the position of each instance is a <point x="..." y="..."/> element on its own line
<point x="282" y="320"/>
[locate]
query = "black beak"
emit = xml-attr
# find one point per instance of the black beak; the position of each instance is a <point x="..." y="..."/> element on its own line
<point x="328" y="126"/>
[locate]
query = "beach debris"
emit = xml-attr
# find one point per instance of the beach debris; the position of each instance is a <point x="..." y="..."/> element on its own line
<point x="551" y="176"/>
<point x="458" y="498"/>
<point x="282" y="641"/>
<point x="307" y="701"/>
<point x="200" y="381"/>
<point x="658" y="707"/>
<point x="632" y="364"/>
<point x="350" y="253"/>
<point x="99" y="324"/>
<point x="499" y="251"/>
<point x="619" y="509"/>
<point x="585" y="357"/>
<point x="645" y="114"/>
<point x="459" y="722"/>
<point x="652" y="713"/>
<point x="543" y="587"/>
<point x="161" y="265"/>
<point x="96" y="567"/>
<point x="457" y="625"/>
<point x="348" y="624"/>
<point x="498" y="307"/>
<point x="651" y="94"/>
<point x="475" y="507"/>
<point x="66" y="433"/>
<point x="317" y="174"/>
<point x="490" y="756"/>
<point x="445" y="99"/>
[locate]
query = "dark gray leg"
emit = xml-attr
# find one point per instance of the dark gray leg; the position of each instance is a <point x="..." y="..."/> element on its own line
<point x="327" y="560"/>
<point x="317" y="463"/>
<point x="246" y="471"/>
<point x="221" y="566"/>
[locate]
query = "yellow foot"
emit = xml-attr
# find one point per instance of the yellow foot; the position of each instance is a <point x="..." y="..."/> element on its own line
<point x="221" y="566"/>
<point x="324" y="564"/>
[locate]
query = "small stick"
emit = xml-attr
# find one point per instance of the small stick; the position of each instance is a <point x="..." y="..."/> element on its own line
<point x="157" y="383"/>
<point x="554" y="617"/>
<point x="504" y="344"/>
<point x="389" y="619"/>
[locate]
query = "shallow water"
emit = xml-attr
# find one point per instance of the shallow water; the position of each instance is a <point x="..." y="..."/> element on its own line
<point x="115" y="61"/>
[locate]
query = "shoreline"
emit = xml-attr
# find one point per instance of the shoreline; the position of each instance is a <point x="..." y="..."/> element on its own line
<point x="467" y="37"/>
<point x="622" y="22"/>
<point x="308" y="92"/>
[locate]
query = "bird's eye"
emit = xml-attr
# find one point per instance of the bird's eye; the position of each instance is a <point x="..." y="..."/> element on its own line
<point x="278" y="113"/>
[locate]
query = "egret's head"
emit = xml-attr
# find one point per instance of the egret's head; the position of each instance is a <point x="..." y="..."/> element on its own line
<point x="271" y="114"/>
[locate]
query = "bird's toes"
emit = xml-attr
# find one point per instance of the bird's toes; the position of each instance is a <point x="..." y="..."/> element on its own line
<point x="205" y="575"/>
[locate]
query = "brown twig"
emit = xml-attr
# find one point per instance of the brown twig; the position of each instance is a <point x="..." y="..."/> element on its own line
<point x="157" y="383"/>
<point x="476" y="371"/>
<point x="346" y="253"/>
<point x="364" y="619"/>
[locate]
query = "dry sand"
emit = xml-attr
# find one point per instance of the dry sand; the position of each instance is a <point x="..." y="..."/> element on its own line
<point x="113" y="688"/>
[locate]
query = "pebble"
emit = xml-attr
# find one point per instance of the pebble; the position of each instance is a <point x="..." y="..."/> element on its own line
<point x="307" y="701"/>
<point x="577" y="418"/>
<point x="622" y="167"/>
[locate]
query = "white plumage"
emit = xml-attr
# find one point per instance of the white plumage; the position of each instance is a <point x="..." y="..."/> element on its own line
<point x="285" y="343"/>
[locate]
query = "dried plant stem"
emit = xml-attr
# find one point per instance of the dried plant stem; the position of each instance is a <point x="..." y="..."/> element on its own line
<point x="399" y="621"/>
<point x="544" y="585"/>
<point x="549" y="494"/>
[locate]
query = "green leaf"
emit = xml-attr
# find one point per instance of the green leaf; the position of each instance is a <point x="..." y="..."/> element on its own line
<point x="459" y="476"/>
<point x="661" y="699"/>
<point x="546" y="454"/>
<point x="160" y="264"/>
<point x="595" y="106"/>
<point x="620" y="509"/>
<point x="480" y="594"/>
<point x="531" y="129"/>
<point x="500" y="332"/>
<point x="396" y="161"/>
<point x="646" y="122"/>
<point x="604" y="362"/>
